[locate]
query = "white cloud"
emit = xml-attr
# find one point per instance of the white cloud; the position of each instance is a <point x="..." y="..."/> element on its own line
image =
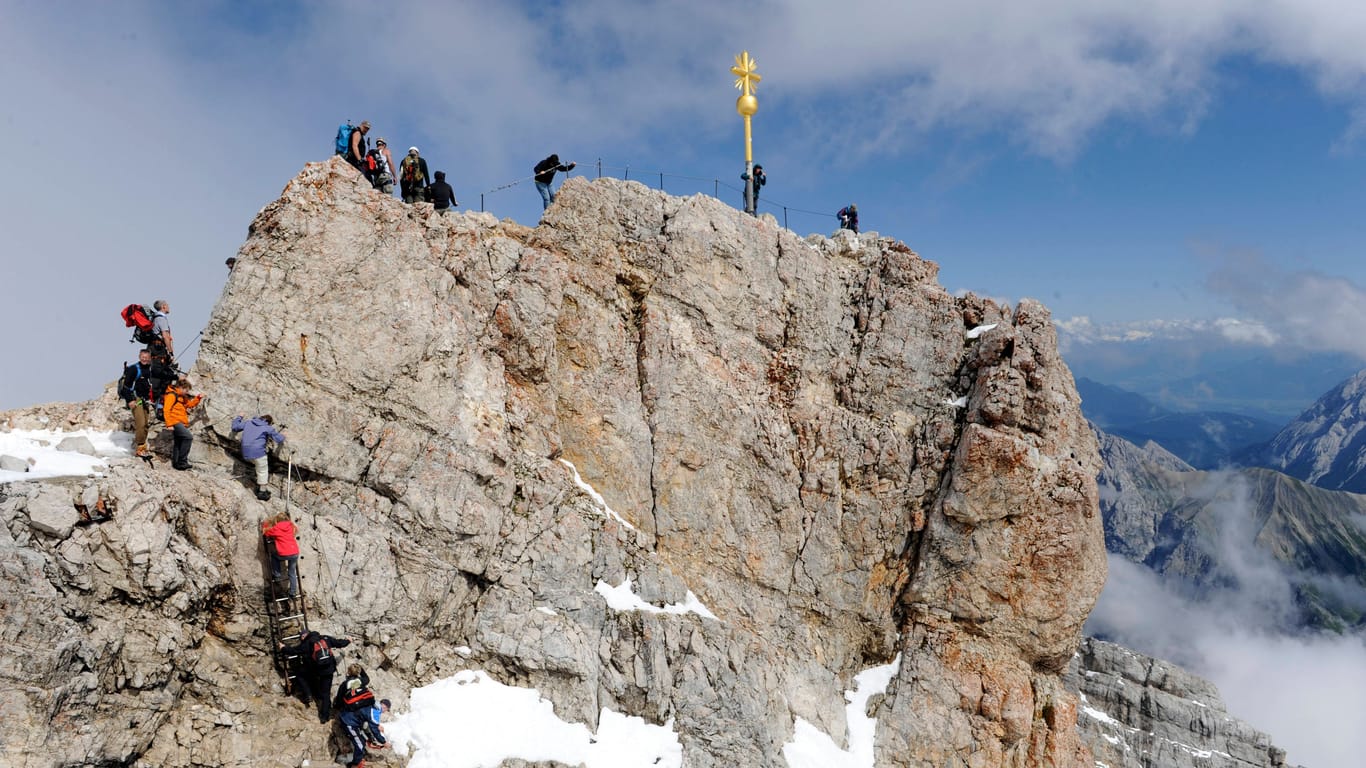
<point x="1306" y="689"/>
<point x="1304" y="309"/>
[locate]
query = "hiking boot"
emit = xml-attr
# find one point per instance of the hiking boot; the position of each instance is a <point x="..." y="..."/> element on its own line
<point x="143" y="450"/>
<point x="263" y="495"/>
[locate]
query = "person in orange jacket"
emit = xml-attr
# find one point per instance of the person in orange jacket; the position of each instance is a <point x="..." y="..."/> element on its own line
<point x="279" y="532"/>
<point x="175" y="409"/>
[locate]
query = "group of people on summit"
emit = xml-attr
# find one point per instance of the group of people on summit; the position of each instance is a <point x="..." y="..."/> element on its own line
<point x="376" y="163"/>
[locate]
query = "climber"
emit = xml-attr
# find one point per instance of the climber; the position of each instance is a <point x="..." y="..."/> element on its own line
<point x="848" y="217"/>
<point x="545" y="173"/>
<point x="163" y="348"/>
<point x="136" y="389"/>
<point x="357" y="146"/>
<point x="177" y="405"/>
<point x="413" y="177"/>
<point x="256" y="436"/>
<point x="384" y="174"/>
<point x="320" y="663"/>
<point x="354" y="700"/>
<point x="376" y="739"/>
<point x="441" y="194"/>
<point x="279" y="531"/>
<point x="231" y="262"/>
<point x="759" y="180"/>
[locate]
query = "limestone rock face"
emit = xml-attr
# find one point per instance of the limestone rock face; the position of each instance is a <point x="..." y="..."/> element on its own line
<point x="1141" y="712"/>
<point x="840" y="459"/>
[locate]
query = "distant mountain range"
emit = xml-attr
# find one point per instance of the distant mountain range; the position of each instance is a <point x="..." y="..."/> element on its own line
<point x="1199" y="527"/>
<point x="1211" y="375"/>
<point x="1203" y="439"/>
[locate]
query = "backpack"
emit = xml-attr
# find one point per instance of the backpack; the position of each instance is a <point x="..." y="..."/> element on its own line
<point x="127" y="391"/>
<point x="139" y="318"/>
<point x="374" y="162"/>
<point x="412" y="171"/>
<point x="354" y="695"/>
<point x="322" y="652"/>
<point x="344" y="137"/>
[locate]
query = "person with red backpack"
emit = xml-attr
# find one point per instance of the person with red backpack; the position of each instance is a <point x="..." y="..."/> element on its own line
<point x="354" y="703"/>
<point x="320" y="663"/>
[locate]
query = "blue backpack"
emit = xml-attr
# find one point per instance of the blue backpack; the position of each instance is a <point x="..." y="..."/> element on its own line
<point x="344" y="137"/>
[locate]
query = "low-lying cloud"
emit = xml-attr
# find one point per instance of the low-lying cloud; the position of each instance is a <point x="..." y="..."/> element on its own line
<point x="1238" y="629"/>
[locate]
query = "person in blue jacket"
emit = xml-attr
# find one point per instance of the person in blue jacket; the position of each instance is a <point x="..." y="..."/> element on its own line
<point x="255" y="436"/>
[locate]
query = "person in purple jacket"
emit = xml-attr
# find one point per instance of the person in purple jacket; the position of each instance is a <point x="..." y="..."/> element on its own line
<point x="255" y="436"/>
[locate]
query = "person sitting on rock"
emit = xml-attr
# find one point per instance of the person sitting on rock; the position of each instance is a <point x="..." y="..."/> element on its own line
<point x="279" y="531"/>
<point x="320" y="664"/>
<point x="354" y="702"/>
<point x="176" y="408"/>
<point x="256" y="436"/>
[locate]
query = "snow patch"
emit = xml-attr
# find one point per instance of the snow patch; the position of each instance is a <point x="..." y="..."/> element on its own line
<point x="623" y="598"/>
<point x="40" y="445"/>
<point x="979" y="330"/>
<point x="961" y="402"/>
<point x="812" y="748"/>
<point x="471" y="720"/>
<point x="593" y="494"/>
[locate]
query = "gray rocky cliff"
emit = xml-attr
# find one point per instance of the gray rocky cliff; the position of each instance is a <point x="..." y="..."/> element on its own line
<point x="1141" y="712"/>
<point x="802" y="432"/>
<point x="1326" y="445"/>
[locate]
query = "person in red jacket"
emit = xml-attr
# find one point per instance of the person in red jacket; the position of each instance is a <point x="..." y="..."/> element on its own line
<point x="279" y="532"/>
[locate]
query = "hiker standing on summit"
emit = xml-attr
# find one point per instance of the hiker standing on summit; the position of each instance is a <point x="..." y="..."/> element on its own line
<point x="441" y="194"/>
<point x="355" y="153"/>
<point x="384" y="179"/>
<point x="759" y="181"/>
<point x="256" y="436"/>
<point x="413" y="176"/>
<point x="545" y="174"/>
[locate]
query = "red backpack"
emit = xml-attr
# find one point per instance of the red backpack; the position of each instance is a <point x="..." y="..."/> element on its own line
<point x="139" y="318"/>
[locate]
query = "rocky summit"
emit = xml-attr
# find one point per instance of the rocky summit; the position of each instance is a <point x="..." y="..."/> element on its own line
<point x="843" y="462"/>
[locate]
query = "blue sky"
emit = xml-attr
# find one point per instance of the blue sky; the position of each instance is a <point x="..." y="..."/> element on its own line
<point x="1125" y="163"/>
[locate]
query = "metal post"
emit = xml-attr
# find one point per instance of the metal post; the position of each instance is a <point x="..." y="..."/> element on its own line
<point x="661" y="181"/>
<point x="599" y="167"/>
<point x="716" y="188"/>
<point x="481" y="202"/>
<point x="785" y="226"/>
<point x="628" y="172"/>
<point x="749" y="188"/>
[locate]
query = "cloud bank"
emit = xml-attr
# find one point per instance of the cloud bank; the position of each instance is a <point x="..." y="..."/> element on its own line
<point x="1306" y="689"/>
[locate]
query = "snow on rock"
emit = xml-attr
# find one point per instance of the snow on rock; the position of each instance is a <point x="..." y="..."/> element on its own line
<point x="811" y="748"/>
<point x="471" y="720"/>
<point x="42" y="452"/>
<point x="593" y="493"/>
<point x="979" y="330"/>
<point x="623" y="598"/>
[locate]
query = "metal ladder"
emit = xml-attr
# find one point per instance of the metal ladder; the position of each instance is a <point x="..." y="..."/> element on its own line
<point x="288" y="619"/>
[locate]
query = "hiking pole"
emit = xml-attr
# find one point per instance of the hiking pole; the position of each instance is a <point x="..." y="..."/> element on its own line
<point x="289" y="480"/>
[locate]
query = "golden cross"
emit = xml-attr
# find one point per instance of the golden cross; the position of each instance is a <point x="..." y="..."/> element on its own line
<point x="745" y="76"/>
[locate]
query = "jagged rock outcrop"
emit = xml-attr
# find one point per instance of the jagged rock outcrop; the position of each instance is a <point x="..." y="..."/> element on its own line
<point x="1141" y="712"/>
<point x="1325" y="445"/>
<point x="799" y="431"/>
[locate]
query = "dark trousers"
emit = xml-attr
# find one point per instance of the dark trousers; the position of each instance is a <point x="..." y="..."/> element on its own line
<point x="354" y="723"/>
<point x="180" y="450"/>
<point x="320" y="688"/>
